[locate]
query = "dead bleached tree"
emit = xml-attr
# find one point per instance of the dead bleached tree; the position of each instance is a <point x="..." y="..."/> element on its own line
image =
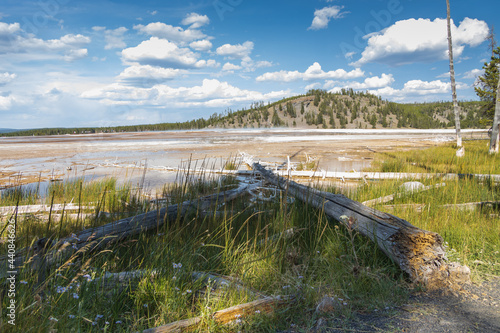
<point x="456" y="109"/>
<point x="495" y="130"/>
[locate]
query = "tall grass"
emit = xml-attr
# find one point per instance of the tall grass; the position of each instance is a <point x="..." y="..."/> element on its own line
<point x="441" y="159"/>
<point x="276" y="247"/>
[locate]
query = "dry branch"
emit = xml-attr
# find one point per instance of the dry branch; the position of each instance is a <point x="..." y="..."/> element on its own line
<point x="27" y="209"/>
<point x="263" y="306"/>
<point x="419" y="253"/>
<point x="391" y="197"/>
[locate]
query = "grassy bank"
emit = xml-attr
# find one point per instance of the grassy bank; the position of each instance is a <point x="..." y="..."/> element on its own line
<point x="248" y="240"/>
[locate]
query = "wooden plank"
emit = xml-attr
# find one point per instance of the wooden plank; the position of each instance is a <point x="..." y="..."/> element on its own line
<point x="418" y="252"/>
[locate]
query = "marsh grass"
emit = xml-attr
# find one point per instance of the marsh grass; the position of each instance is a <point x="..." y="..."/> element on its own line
<point x="250" y="242"/>
<point x="440" y="159"/>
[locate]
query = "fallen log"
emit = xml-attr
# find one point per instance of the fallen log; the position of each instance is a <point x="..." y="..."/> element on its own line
<point x="468" y="206"/>
<point x="94" y="238"/>
<point x="418" y="252"/>
<point x="233" y="314"/>
<point x="31" y="209"/>
<point x="391" y="197"/>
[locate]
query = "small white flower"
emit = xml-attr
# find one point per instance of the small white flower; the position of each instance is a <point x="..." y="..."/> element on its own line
<point x="53" y="319"/>
<point x="189" y="291"/>
<point x="106" y="323"/>
<point x="344" y="303"/>
<point x="237" y="316"/>
<point x="238" y="321"/>
<point x="257" y="311"/>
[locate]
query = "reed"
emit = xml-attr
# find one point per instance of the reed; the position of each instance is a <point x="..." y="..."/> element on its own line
<point x="278" y="247"/>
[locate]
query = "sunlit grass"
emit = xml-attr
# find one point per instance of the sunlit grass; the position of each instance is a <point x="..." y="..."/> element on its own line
<point x="278" y="247"/>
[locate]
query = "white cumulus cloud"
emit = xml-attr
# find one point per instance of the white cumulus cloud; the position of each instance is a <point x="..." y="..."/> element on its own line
<point x="369" y="83"/>
<point x="237" y="51"/>
<point x="195" y="20"/>
<point x="114" y="38"/>
<point x="473" y="74"/>
<point x="6" y="78"/>
<point x="421" y="40"/>
<point x="417" y="88"/>
<point x="323" y="16"/>
<point x="314" y="72"/>
<point x="230" y="67"/>
<point x="211" y="93"/>
<point x="161" y="52"/>
<point x="201" y="45"/>
<point x="148" y="75"/>
<point x="166" y="31"/>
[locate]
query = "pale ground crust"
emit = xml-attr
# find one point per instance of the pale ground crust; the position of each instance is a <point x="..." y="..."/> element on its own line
<point x="122" y="155"/>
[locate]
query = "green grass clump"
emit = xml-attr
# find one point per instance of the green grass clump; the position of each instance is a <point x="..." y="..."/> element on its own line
<point x="441" y="159"/>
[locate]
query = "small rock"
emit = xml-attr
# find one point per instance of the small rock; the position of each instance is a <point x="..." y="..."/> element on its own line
<point x="327" y="304"/>
<point x="322" y="323"/>
<point x="411" y="186"/>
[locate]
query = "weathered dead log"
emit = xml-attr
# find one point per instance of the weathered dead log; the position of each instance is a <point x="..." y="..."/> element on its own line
<point x="468" y="206"/>
<point x="94" y="238"/>
<point x="27" y="209"/>
<point x="418" y="252"/>
<point x="391" y="197"/>
<point x="261" y="306"/>
<point x="475" y="205"/>
<point x="217" y="282"/>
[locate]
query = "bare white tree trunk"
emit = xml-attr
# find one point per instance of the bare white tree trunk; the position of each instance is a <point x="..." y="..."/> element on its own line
<point x="452" y="74"/>
<point x="495" y="131"/>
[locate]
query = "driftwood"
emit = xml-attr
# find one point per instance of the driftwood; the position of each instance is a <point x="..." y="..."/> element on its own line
<point x="417" y="252"/>
<point x="391" y="197"/>
<point x="376" y="175"/>
<point x="94" y="238"/>
<point x="217" y="282"/>
<point x="468" y="206"/>
<point x="27" y="209"/>
<point x="261" y="306"/>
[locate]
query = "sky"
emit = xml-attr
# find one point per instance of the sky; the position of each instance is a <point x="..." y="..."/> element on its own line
<point x="75" y="63"/>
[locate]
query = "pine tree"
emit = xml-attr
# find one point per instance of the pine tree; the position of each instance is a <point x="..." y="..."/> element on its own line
<point x="486" y="86"/>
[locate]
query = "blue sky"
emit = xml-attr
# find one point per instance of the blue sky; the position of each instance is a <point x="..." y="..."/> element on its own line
<point x="69" y="63"/>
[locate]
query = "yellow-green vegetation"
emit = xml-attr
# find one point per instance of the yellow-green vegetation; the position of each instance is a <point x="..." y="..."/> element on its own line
<point x="441" y="159"/>
<point x="247" y="241"/>
<point x="473" y="234"/>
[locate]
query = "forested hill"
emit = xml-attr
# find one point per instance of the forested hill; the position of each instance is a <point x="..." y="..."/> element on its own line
<point x="316" y="109"/>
